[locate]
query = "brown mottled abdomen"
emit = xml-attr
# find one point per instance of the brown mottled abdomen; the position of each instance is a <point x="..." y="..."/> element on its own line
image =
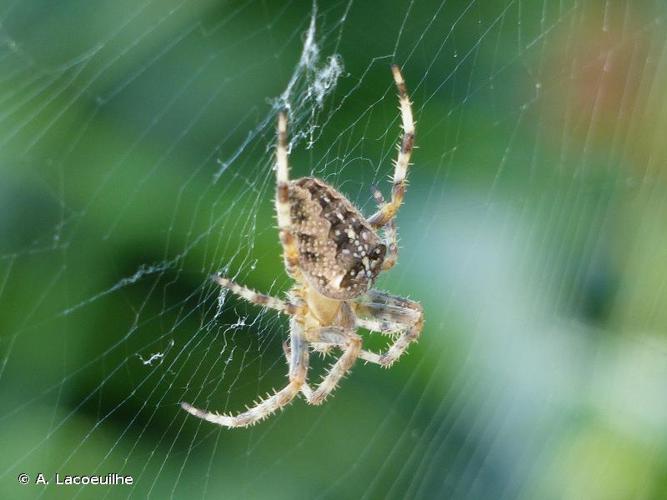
<point x="339" y="253"/>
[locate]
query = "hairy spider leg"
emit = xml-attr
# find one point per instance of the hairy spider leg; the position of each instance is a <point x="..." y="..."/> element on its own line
<point x="333" y="336"/>
<point x="390" y="233"/>
<point x="390" y="314"/>
<point x="389" y="210"/>
<point x="305" y="388"/>
<point x="298" y="370"/>
<point x="350" y="342"/>
<point x="290" y="249"/>
<point x="258" y="298"/>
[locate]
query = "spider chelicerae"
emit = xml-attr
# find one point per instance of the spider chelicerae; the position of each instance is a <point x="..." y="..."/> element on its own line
<point x="334" y="254"/>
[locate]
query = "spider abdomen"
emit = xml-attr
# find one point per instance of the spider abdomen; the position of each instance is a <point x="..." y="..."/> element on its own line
<point x="339" y="252"/>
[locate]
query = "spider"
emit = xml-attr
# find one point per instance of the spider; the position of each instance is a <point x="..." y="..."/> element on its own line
<point x="334" y="255"/>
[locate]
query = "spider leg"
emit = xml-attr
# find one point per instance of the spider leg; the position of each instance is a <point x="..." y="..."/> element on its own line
<point x="391" y="315"/>
<point x="388" y="210"/>
<point x="390" y="233"/>
<point x="298" y="370"/>
<point x="338" y="340"/>
<point x="290" y="250"/>
<point x="305" y="388"/>
<point x="350" y="342"/>
<point x="258" y="298"/>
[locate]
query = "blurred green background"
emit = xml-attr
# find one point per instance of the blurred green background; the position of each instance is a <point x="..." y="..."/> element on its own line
<point x="136" y="143"/>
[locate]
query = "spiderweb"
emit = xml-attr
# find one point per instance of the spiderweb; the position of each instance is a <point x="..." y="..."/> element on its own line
<point x="136" y="145"/>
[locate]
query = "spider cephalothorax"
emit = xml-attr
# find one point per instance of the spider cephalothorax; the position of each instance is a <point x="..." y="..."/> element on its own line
<point x="334" y="254"/>
<point x="340" y="254"/>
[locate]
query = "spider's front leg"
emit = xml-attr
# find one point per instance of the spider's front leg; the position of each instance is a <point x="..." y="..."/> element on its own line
<point x="287" y="239"/>
<point x="388" y="210"/>
<point x="390" y="233"/>
<point x="298" y="371"/>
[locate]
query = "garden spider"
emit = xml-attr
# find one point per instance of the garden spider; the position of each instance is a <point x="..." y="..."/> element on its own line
<point x="334" y="255"/>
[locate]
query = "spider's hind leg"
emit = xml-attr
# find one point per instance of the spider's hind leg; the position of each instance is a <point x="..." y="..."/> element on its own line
<point x="298" y="370"/>
<point x="346" y="340"/>
<point x="350" y="343"/>
<point x="392" y="315"/>
<point x="305" y="388"/>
